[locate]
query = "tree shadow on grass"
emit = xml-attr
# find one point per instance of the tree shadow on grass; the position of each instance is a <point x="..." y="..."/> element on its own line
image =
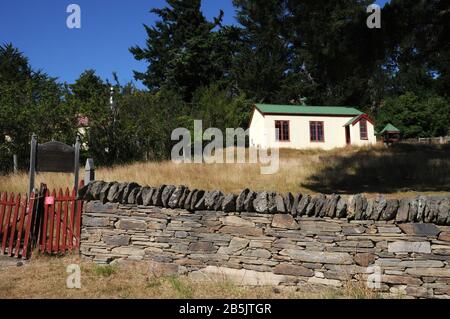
<point x="401" y="167"/>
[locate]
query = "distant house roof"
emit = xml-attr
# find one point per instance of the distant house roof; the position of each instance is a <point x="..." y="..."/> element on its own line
<point x="307" y="110"/>
<point x="390" y="129"/>
<point x="82" y="121"/>
<point x="356" y="119"/>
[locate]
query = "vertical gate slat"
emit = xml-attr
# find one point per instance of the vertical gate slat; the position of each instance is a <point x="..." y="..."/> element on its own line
<point x="3" y="200"/>
<point x="30" y="211"/>
<point x="58" y="207"/>
<point x="16" y="206"/>
<point x="51" y="225"/>
<point x="64" y="227"/>
<point x="72" y="221"/>
<point x="21" y="223"/>
<point x="7" y="224"/>
<point x="44" y="225"/>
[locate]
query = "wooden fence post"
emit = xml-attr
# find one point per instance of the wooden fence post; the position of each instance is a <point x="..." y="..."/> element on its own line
<point x="77" y="164"/>
<point x="89" y="171"/>
<point x="32" y="171"/>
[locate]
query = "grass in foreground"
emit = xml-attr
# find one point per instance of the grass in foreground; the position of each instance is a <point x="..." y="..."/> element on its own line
<point x="45" y="277"/>
<point x="400" y="170"/>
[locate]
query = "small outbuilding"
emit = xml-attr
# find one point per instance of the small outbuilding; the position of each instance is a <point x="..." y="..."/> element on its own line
<point x="390" y="134"/>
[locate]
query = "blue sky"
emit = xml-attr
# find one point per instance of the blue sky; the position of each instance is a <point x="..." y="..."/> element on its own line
<point x="109" y="28"/>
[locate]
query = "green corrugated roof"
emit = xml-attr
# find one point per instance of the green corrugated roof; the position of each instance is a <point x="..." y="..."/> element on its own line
<point x="390" y="128"/>
<point x="307" y="109"/>
<point x="351" y="120"/>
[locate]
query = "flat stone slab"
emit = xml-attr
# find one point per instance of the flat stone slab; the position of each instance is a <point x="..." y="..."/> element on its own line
<point x="409" y="247"/>
<point x="318" y="256"/>
<point x="421" y="229"/>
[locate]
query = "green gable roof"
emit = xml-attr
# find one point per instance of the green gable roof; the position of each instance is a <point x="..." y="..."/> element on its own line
<point x="307" y="110"/>
<point x="390" y="128"/>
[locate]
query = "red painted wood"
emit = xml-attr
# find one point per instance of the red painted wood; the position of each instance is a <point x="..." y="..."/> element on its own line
<point x="64" y="223"/>
<point x="7" y="222"/>
<point x="23" y="209"/>
<point x="26" y="240"/>
<point x="13" y="225"/>
<point x="51" y="217"/>
<point x="58" y="207"/>
<point x="3" y="201"/>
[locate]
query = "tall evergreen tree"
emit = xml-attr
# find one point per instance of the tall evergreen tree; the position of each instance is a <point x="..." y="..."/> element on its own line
<point x="183" y="49"/>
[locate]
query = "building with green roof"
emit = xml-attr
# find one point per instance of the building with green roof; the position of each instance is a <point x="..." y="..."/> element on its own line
<point x="306" y="126"/>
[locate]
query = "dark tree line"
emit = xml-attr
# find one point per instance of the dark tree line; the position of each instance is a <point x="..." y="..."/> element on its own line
<point x="280" y="51"/>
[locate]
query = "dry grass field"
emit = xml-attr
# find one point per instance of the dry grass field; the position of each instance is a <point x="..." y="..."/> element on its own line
<point x="45" y="277"/>
<point x="400" y="170"/>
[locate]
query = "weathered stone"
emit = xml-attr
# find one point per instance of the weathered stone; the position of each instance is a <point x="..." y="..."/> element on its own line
<point x="89" y="221"/>
<point x="236" y="244"/>
<point x="131" y="224"/>
<point x="398" y="263"/>
<point x="115" y="192"/>
<point x="324" y="281"/>
<point x="378" y="207"/>
<point x="127" y="190"/>
<point x="429" y="272"/>
<point x="444" y="236"/>
<point x="303" y="205"/>
<point x="95" y="189"/>
<point x="202" y="246"/>
<point x="248" y="203"/>
<point x="284" y="221"/>
<point x="331" y="205"/>
<point x="279" y="202"/>
<point x="117" y="240"/>
<point x="320" y="200"/>
<point x="402" y="213"/>
<point x="166" y="194"/>
<point x="444" y="212"/>
<point x="211" y="199"/>
<point x="412" y="212"/>
<point x="229" y="203"/>
<point x="245" y="231"/>
<point x="292" y="270"/>
<point x="164" y="269"/>
<point x="174" y="199"/>
<point x="236" y="221"/>
<point x="198" y="199"/>
<point x="409" y="247"/>
<point x="99" y="207"/>
<point x="429" y="230"/>
<point x="341" y="208"/>
<point x="128" y="251"/>
<point x="289" y="202"/>
<point x="421" y="207"/>
<point x="238" y="276"/>
<point x="219" y="202"/>
<point x="404" y="280"/>
<point x="188" y="201"/>
<point x="369" y="209"/>
<point x="272" y="203"/>
<point x="391" y="210"/>
<point x="420" y="292"/>
<point x="297" y="199"/>
<point x="261" y="202"/>
<point x="432" y="210"/>
<point x="157" y="196"/>
<point x="318" y="256"/>
<point x="84" y="193"/>
<point x="184" y="197"/>
<point x="354" y="230"/>
<point x="357" y="207"/>
<point x="241" y="199"/>
<point x="364" y="259"/>
<point x="146" y="195"/>
<point x="258" y="253"/>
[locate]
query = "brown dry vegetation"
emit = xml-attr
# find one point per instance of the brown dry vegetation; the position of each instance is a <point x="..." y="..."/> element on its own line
<point x="45" y="277"/>
<point x="400" y="170"/>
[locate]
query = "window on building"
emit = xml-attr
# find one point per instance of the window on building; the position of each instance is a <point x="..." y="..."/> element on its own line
<point x="316" y="131"/>
<point x="282" y="131"/>
<point x="363" y="129"/>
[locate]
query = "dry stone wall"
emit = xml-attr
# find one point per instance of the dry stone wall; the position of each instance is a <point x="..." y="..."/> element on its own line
<point x="402" y="247"/>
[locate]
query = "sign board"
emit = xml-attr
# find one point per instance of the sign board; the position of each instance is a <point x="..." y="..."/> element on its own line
<point x="49" y="200"/>
<point x="55" y="157"/>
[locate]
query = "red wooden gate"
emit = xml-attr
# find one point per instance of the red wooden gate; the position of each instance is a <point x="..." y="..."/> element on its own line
<point x="61" y="223"/>
<point x="16" y="219"/>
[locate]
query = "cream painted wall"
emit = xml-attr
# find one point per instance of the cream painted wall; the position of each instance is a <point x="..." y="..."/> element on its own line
<point x="262" y="132"/>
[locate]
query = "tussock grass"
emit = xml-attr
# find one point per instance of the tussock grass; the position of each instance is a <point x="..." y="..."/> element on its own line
<point x="45" y="277"/>
<point x="401" y="170"/>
